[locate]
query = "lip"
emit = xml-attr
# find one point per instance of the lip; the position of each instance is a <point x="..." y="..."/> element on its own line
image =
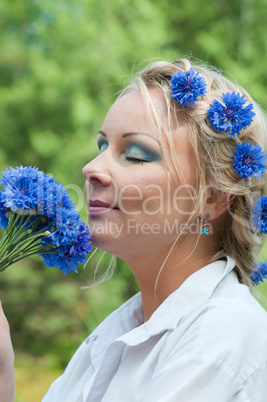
<point x="98" y="207"/>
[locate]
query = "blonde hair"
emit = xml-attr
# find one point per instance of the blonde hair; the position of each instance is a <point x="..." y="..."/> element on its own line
<point x="214" y="155"/>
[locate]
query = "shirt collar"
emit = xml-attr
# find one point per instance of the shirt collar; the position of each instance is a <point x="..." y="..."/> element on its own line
<point x="126" y="324"/>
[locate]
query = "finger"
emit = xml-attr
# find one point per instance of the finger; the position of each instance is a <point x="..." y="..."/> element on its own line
<point x="3" y="320"/>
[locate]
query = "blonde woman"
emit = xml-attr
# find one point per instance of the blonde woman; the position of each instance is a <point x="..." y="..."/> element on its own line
<point x="178" y="192"/>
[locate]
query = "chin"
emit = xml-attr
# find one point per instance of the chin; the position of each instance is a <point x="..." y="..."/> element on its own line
<point x="105" y="242"/>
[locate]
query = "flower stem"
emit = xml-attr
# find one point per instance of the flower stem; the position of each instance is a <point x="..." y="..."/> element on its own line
<point x="21" y="239"/>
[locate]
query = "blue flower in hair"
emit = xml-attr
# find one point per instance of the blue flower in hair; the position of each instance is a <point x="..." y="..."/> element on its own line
<point x="259" y="214"/>
<point x="231" y="116"/>
<point x="249" y="160"/>
<point x="260" y="273"/>
<point x="187" y="88"/>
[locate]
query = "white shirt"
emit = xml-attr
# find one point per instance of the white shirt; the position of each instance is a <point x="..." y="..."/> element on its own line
<point x="207" y="342"/>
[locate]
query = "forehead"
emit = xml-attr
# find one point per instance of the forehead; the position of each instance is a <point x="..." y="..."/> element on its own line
<point x="138" y="111"/>
<point x="134" y="112"/>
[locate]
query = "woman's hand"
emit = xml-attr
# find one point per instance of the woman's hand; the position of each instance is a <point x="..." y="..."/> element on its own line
<point x="7" y="374"/>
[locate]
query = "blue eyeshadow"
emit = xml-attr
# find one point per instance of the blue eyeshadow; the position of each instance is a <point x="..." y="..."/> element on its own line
<point x="138" y="151"/>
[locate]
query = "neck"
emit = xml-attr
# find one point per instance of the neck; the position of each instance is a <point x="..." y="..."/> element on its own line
<point x="155" y="287"/>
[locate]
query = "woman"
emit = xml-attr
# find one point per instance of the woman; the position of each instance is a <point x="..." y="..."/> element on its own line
<point x="172" y="194"/>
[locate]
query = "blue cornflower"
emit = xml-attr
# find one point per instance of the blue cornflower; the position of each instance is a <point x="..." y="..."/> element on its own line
<point x="12" y="175"/>
<point x="260" y="273"/>
<point x="65" y="263"/>
<point x="259" y="214"/>
<point x="22" y="196"/>
<point x="69" y="257"/>
<point x="82" y="245"/>
<point x="19" y="188"/>
<point x="3" y="211"/>
<point x="231" y="117"/>
<point x="43" y="220"/>
<point x="63" y="199"/>
<point x="65" y="227"/>
<point x="45" y="194"/>
<point x="249" y="160"/>
<point x="52" y="197"/>
<point x="69" y="263"/>
<point x="187" y="87"/>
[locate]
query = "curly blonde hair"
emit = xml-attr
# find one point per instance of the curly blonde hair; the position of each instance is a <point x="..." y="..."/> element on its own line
<point x="214" y="155"/>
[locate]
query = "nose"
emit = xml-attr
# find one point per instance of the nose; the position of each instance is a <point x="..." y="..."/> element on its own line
<point x="96" y="172"/>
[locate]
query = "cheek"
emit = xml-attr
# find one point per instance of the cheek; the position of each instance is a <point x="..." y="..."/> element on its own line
<point x="156" y="193"/>
<point x="168" y="199"/>
<point x="147" y="194"/>
<point x="132" y="193"/>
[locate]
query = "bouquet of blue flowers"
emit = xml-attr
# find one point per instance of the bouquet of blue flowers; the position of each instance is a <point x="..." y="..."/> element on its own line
<point x="39" y="218"/>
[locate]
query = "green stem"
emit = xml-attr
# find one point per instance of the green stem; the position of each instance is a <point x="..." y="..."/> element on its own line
<point x="13" y="231"/>
<point x="28" y="239"/>
<point x="21" y="255"/>
<point x="17" y="243"/>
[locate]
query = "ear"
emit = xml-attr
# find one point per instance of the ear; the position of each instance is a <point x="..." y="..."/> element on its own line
<point x="217" y="203"/>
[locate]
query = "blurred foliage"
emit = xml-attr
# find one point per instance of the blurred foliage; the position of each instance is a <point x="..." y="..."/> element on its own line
<point x="33" y="377"/>
<point x="61" y="64"/>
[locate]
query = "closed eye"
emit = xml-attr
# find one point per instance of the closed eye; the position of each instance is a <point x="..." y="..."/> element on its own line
<point x="139" y="154"/>
<point x="135" y="160"/>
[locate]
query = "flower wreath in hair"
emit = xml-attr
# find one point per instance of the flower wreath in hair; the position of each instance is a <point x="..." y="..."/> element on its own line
<point x="231" y="116"/>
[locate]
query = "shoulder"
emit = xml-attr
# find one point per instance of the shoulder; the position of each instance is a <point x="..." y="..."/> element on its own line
<point x="237" y="313"/>
<point x="233" y="333"/>
<point x="218" y="349"/>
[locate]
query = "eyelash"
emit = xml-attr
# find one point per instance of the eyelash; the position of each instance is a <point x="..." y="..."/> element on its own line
<point x="135" y="160"/>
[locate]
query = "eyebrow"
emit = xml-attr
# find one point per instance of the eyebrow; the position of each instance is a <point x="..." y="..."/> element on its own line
<point x="128" y="134"/>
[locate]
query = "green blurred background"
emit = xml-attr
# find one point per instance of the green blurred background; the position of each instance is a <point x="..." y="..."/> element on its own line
<point x="61" y="64"/>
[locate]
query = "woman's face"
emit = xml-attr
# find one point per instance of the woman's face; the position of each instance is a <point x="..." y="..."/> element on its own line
<point x="134" y="202"/>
